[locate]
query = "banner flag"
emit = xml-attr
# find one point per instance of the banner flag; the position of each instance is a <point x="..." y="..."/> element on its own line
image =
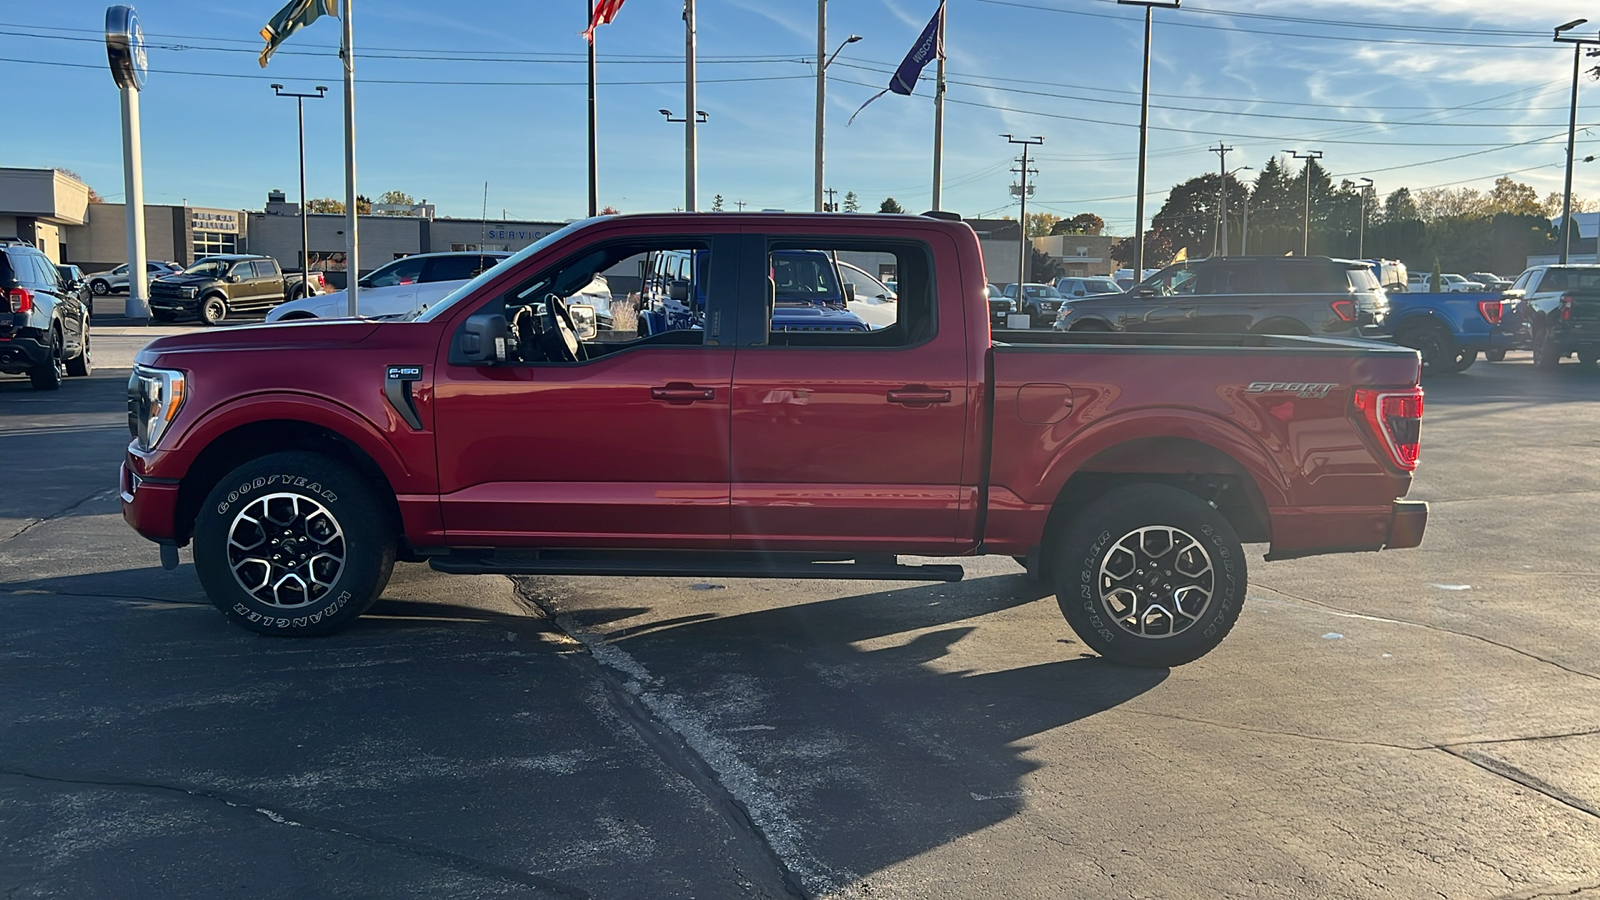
<point x="929" y="47"/>
<point x="297" y="15"/>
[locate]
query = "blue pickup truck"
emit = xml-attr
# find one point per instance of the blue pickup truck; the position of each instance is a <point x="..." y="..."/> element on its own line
<point x="1451" y="329"/>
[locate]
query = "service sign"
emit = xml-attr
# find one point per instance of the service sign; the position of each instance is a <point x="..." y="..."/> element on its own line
<point x="125" y="48"/>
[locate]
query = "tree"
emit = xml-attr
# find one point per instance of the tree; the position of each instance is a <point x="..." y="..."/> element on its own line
<point x="852" y="203"/>
<point x="1043" y="267"/>
<point x="324" y="205"/>
<point x="94" y="195"/>
<point x="1189" y="216"/>
<point x="1082" y="223"/>
<point x="363" y="205"/>
<point x="610" y="211"/>
<point x="1552" y="204"/>
<point x="889" y="206"/>
<point x="1399" y="207"/>
<point x="1158" y="250"/>
<point x="1513" y="198"/>
<point x="397" y="198"/>
<point x="716" y="203"/>
<point x="1040" y="224"/>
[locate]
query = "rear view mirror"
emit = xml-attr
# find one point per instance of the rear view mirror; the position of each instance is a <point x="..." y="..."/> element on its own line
<point x="482" y="340"/>
<point x="584" y="321"/>
<point x="678" y="291"/>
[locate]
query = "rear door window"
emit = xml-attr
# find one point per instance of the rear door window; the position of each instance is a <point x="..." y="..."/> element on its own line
<point x="452" y="268"/>
<point x="1315" y="278"/>
<point x="266" y="268"/>
<point x="403" y="271"/>
<point x="1362" y="279"/>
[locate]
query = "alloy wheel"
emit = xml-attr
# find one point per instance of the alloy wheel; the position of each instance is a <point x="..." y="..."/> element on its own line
<point x="286" y="550"/>
<point x="1156" y="582"/>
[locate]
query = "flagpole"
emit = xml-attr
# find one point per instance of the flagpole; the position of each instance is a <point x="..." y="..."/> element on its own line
<point x="594" y="133"/>
<point x="352" y="260"/>
<point x="938" y="114"/>
<point x="689" y="114"/>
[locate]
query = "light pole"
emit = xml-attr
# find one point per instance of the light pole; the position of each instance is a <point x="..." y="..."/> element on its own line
<point x="699" y="116"/>
<point x="823" y="61"/>
<point x="305" y="231"/>
<point x="1361" y="229"/>
<point x="1244" y="228"/>
<point x="1224" y="207"/>
<point x="1022" y="218"/>
<point x="1144" y="132"/>
<point x="1305" y="234"/>
<point x="1572" y="123"/>
<point x="691" y="162"/>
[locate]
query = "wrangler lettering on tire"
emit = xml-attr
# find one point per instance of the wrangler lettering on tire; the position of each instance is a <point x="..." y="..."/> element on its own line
<point x="293" y="544"/>
<point x="1159" y="575"/>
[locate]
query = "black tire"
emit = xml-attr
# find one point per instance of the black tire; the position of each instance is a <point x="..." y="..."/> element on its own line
<point x="48" y="376"/>
<point x="99" y="288"/>
<point x="334" y="531"/>
<point x="1465" y="359"/>
<point x="1545" y="354"/>
<point x="1494" y="356"/>
<point x="1438" y="349"/>
<point x="162" y="315"/>
<point x="1169" y="527"/>
<point x="82" y="365"/>
<point x="213" y="309"/>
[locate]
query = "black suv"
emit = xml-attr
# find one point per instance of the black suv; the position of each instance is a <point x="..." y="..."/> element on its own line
<point x="43" y="325"/>
<point x="1312" y="295"/>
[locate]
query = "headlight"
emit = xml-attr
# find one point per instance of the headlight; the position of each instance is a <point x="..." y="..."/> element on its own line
<point x="191" y="292"/>
<point x="154" y="398"/>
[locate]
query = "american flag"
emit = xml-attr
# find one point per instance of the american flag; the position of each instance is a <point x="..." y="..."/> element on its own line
<point x="604" y="12"/>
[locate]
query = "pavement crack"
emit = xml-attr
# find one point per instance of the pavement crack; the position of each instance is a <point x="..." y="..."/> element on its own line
<point x="621" y="678"/>
<point x="31" y="523"/>
<point x="1531" y="782"/>
<point x="1249" y="729"/>
<point x="128" y="598"/>
<point x="300" y="819"/>
<point x="1330" y="608"/>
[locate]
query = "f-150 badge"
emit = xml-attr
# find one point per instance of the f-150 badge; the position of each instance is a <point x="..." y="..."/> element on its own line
<point x="1298" y="388"/>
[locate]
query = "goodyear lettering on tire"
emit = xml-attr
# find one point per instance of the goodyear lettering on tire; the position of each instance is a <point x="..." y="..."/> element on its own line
<point x="296" y="481"/>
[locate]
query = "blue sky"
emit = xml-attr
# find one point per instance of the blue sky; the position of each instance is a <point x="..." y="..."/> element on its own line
<point x="1478" y="92"/>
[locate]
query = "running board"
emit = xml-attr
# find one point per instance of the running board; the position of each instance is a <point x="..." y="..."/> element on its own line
<point x="649" y="564"/>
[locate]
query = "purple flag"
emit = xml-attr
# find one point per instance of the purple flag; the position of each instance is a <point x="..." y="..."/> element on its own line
<point x="929" y="47"/>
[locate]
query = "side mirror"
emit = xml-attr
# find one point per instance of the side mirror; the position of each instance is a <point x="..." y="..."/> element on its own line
<point x="364" y="282"/>
<point x="849" y="293"/>
<point x="678" y="291"/>
<point x="232" y="279"/>
<point x="482" y="340"/>
<point x="584" y="321"/>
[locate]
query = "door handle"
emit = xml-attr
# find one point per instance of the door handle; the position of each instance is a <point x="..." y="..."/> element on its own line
<point x="918" y="395"/>
<point x="682" y="393"/>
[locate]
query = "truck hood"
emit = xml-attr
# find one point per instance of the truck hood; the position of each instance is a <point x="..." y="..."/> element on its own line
<point x="288" y="336"/>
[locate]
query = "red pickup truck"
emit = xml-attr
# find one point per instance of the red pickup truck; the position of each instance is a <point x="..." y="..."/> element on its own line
<point x="487" y="435"/>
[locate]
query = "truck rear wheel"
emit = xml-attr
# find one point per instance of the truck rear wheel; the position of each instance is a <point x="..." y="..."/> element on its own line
<point x="293" y="544"/>
<point x="1150" y="575"/>
<point x="1494" y="356"/>
<point x="1438" y="349"/>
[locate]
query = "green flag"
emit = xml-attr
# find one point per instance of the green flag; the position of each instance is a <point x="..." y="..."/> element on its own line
<point x="297" y="15"/>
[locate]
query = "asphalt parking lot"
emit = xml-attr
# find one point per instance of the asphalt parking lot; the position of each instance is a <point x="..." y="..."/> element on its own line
<point x="1406" y="724"/>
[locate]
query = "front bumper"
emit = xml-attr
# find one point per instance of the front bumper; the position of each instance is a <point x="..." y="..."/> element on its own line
<point x="175" y="304"/>
<point x="21" y="352"/>
<point x="150" y="506"/>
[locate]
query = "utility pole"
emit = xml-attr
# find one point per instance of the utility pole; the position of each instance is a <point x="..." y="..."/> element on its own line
<point x="1572" y="125"/>
<point x="1144" y="133"/>
<point x="938" y="121"/>
<point x="1222" y="199"/>
<point x="1244" y="237"/>
<point x="1305" y="172"/>
<point x="594" y="130"/>
<point x="1361" y="230"/>
<point x="830" y="206"/>
<point x="1021" y="190"/>
<point x="740" y="204"/>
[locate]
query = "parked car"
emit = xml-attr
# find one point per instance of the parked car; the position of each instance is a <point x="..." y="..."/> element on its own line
<point x="1311" y="295"/>
<point x="75" y="281"/>
<point x="1448" y="282"/>
<point x="227" y="283"/>
<point x="1491" y="281"/>
<point x="1040" y="301"/>
<point x="486" y="437"/>
<point x="1000" y="306"/>
<point x="1562" y="307"/>
<point x="404" y="285"/>
<point x="1392" y="274"/>
<point x="44" y="328"/>
<point x="1087" y="286"/>
<point x="1449" y="329"/>
<point x="868" y="297"/>
<point x="115" y="281"/>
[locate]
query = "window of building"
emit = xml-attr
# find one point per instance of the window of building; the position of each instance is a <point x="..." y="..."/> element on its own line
<point x="210" y="243"/>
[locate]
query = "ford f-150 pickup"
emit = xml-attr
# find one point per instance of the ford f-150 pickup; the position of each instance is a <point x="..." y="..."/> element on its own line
<point x="485" y="436"/>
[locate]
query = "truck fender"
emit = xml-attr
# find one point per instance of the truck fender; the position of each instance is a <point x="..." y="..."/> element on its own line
<point x="313" y="410"/>
<point x="1220" y="435"/>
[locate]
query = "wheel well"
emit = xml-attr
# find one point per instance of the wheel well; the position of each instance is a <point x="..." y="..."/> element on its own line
<point x="1200" y="469"/>
<point x="1421" y="323"/>
<point x="1089" y="325"/>
<point x="294" y="316"/>
<point x="259" y="439"/>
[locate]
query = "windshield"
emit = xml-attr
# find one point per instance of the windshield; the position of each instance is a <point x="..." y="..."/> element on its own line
<point x="455" y="296"/>
<point x="214" y="268"/>
<point x="1101" y="286"/>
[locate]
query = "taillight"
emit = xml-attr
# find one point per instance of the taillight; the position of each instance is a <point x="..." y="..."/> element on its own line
<point x="1395" y="417"/>
<point x="1345" y="310"/>
<point x="21" y="300"/>
<point x="1490" y="310"/>
<point x="1566" y="307"/>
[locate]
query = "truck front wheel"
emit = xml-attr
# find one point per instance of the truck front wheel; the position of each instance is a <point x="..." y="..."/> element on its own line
<point x="1150" y="575"/>
<point x="293" y="544"/>
<point x="213" y="309"/>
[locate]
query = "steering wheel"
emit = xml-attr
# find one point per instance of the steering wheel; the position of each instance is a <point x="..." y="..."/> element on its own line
<point x="559" y="335"/>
